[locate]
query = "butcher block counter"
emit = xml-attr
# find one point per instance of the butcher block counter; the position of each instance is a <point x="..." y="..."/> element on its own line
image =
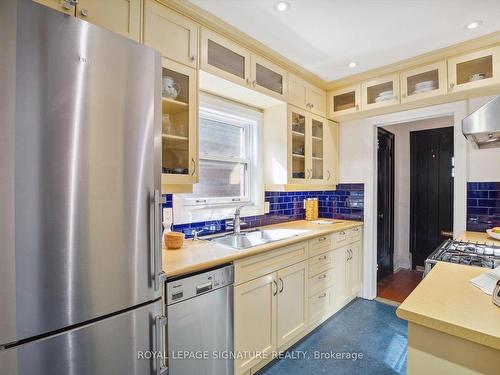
<point x="453" y="327"/>
<point x="480" y="237"/>
<point x="201" y="254"/>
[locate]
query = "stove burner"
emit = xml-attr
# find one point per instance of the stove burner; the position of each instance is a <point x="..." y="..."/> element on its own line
<point x="473" y="254"/>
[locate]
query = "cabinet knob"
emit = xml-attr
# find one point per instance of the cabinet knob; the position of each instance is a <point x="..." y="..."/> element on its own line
<point x="84" y="12"/>
<point x="193" y="57"/>
<point x="254" y="82"/>
<point x="312" y="105"/>
<point x="452" y="85"/>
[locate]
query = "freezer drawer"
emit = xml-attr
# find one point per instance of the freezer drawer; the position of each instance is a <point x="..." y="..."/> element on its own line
<point x="112" y="346"/>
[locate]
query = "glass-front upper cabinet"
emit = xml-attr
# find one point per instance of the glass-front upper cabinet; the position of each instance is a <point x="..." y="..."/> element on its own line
<point x="344" y="101"/>
<point x="380" y="92"/>
<point x="317" y="165"/>
<point x="423" y="82"/>
<point x="224" y="58"/>
<point x="179" y="124"/>
<point x="268" y="77"/>
<point x="297" y="145"/>
<point x="474" y="70"/>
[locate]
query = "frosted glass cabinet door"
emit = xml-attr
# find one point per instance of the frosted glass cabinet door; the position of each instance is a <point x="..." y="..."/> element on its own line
<point x="344" y="101"/>
<point x="268" y="77"/>
<point x="424" y="82"/>
<point x="317" y="158"/>
<point x="224" y="58"/>
<point x="380" y="92"/>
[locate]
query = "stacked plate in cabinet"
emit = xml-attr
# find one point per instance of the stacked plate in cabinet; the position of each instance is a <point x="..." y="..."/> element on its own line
<point x="425" y="86"/>
<point x="384" y="96"/>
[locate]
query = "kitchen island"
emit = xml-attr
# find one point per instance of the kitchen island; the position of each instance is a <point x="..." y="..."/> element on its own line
<point x="453" y="327"/>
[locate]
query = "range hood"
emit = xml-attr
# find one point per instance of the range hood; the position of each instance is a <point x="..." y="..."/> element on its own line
<point x="482" y="127"/>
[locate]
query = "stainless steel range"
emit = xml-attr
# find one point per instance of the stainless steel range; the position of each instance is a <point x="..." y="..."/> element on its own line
<point x="470" y="253"/>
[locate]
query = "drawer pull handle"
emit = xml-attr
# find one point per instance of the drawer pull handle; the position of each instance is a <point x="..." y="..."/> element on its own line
<point x="321" y="277"/>
<point x="356" y="229"/>
<point x="322" y="239"/>
<point x="342" y="233"/>
<point x="323" y="257"/>
<point x="282" y="285"/>
<point x="322" y="295"/>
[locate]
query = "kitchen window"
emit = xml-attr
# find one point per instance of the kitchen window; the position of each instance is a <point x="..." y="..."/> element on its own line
<point x="230" y="163"/>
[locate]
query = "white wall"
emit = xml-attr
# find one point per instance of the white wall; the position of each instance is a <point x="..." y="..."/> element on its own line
<point x="358" y="164"/>
<point x="402" y="183"/>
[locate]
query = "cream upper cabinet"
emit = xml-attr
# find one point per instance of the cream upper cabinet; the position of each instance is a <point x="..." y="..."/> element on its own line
<point x="317" y="100"/>
<point x="310" y="143"/>
<point x="380" y="92"/>
<point x="225" y="58"/>
<point x="120" y="16"/>
<point x="268" y="77"/>
<point x="331" y="153"/>
<point x="298" y="145"/>
<point x="424" y="82"/>
<point x="174" y="35"/>
<point x="255" y="311"/>
<point x="60" y="5"/>
<point x="474" y="70"/>
<point x="179" y="124"/>
<point x="316" y="161"/>
<point x="344" y="101"/>
<point x="306" y="96"/>
<point x="292" y="302"/>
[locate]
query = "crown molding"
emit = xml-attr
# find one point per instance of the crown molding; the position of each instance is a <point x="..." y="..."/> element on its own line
<point x="208" y="20"/>
<point x="415" y="62"/>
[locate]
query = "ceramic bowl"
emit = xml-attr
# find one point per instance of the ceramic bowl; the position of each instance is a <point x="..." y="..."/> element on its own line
<point x="492" y="234"/>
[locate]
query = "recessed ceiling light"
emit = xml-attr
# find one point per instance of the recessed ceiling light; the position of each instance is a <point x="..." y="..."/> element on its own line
<point x="281" y="6"/>
<point x="353" y="64"/>
<point x="473" y="25"/>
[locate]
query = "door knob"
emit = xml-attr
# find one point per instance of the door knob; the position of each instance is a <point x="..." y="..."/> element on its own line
<point x="381" y="216"/>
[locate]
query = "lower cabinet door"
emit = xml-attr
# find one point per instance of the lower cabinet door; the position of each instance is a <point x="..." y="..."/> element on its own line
<point x="340" y="277"/>
<point x="292" y="302"/>
<point x="355" y="269"/>
<point x="254" y="320"/>
<point x="320" y="304"/>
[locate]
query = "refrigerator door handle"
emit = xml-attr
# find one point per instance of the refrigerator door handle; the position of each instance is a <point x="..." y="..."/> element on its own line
<point x="160" y="324"/>
<point x="159" y="275"/>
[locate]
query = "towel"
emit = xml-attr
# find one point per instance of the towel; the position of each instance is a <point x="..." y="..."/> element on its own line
<point x="487" y="281"/>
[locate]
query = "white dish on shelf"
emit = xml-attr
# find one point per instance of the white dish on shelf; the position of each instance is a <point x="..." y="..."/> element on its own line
<point x="383" y="98"/>
<point x="427" y="89"/>
<point x="384" y="93"/>
<point x="492" y="234"/>
<point x="425" y="84"/>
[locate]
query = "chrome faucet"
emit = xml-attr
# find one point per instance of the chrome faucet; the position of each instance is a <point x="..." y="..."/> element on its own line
<point x="237" y="220"/>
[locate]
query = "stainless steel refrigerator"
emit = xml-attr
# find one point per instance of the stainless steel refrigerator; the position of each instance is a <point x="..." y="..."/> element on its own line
<point x="80" y="154"/>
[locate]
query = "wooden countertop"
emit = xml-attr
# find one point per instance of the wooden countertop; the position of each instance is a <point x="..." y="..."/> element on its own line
<point x="199" y="255"/>
<point x="481" y="237"/>
<point x="446" y="301"/>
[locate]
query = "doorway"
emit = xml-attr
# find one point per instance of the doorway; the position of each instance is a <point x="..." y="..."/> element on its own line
<point x="431" y="191"/>
<point x="385" y="203"/>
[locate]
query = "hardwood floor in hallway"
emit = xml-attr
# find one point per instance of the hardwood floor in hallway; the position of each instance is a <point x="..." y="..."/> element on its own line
<point x="399" y="285"/>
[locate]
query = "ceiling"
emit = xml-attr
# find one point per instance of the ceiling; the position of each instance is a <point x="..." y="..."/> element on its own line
<point x="324" y="36"/>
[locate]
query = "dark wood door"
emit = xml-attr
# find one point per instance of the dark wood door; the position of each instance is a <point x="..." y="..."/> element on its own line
<point x="385" y="203"/>
<point x="431" y="191"/>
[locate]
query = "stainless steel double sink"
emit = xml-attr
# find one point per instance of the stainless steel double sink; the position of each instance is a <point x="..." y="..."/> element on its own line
<point x="245" y="240"/>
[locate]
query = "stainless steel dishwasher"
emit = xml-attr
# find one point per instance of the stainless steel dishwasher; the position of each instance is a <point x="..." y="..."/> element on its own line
<point x="200" y="323"/>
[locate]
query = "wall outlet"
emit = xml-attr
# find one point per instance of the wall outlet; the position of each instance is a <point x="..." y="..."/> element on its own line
<point x="266" y="207"/>
<point x="168" y="215"/>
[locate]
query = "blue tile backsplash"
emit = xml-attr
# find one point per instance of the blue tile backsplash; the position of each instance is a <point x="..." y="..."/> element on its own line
<point x="483" y="205"/>
<point x="346" y="203"/>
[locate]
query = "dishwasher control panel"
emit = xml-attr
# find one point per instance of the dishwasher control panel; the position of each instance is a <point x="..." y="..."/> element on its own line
<point x="197" y="284"/>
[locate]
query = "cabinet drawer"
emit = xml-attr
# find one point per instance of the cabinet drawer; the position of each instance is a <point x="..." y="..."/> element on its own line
<point x="270" y="261"/>
<point x="355" y="234"/>
<point x="347" y="236"/>
<point x="320" y="245"/>
<point x="320" y="282"/>
<point x="319" y="304"/>
<point x="320" y="263"/>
